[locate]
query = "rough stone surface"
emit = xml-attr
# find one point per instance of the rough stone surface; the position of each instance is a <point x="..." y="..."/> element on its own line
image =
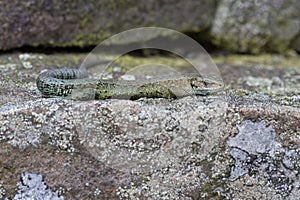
<point x="33" y="187"/>
<point x="239" y="26"/>
<point x="256" y="151"/>
<point x="238" y="144"/>
<point x="253" y="26"/>
<point x="83" y="23"/>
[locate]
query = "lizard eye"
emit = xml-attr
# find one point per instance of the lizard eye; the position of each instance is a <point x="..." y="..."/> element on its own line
<point x="198" y="83"/>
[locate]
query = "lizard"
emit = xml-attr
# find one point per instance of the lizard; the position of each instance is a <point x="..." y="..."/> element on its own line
<point x="63" y="82"/>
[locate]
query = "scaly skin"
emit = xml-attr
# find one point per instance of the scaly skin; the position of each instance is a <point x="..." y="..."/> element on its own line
<point x="67" y="82"/>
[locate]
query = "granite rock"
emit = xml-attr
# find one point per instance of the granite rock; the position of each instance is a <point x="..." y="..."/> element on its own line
<point x="237" y="144"/>
<point x="84" y="23"/>
<point x="255" y="26"/>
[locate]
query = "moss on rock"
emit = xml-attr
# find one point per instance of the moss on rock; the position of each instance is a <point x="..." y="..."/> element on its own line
<point x="256" y="26"/>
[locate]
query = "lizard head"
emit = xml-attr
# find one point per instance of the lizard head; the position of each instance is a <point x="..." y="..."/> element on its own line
<point x="204" y="86"/>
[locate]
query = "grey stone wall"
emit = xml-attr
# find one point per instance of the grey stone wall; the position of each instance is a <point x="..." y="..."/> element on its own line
<point x="82" y="23"/>
<point x="250" y="26"/>
<point x="239" y="26"/>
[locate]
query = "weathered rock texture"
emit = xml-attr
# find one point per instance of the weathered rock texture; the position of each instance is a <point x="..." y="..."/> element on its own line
<point x="239" y="144"/>
<point x="239" y="26"/>
<point x="82" y="23"/>
<point x="251" y="26"/>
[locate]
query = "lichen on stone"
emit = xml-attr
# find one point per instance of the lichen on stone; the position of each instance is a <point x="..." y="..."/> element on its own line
<point x="32" y="186"/>
<point x="256" y="26"/>
<point x="257" y="152"/>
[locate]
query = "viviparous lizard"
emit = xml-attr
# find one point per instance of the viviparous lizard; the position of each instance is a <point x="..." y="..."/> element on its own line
<point x="68" y="81"/>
